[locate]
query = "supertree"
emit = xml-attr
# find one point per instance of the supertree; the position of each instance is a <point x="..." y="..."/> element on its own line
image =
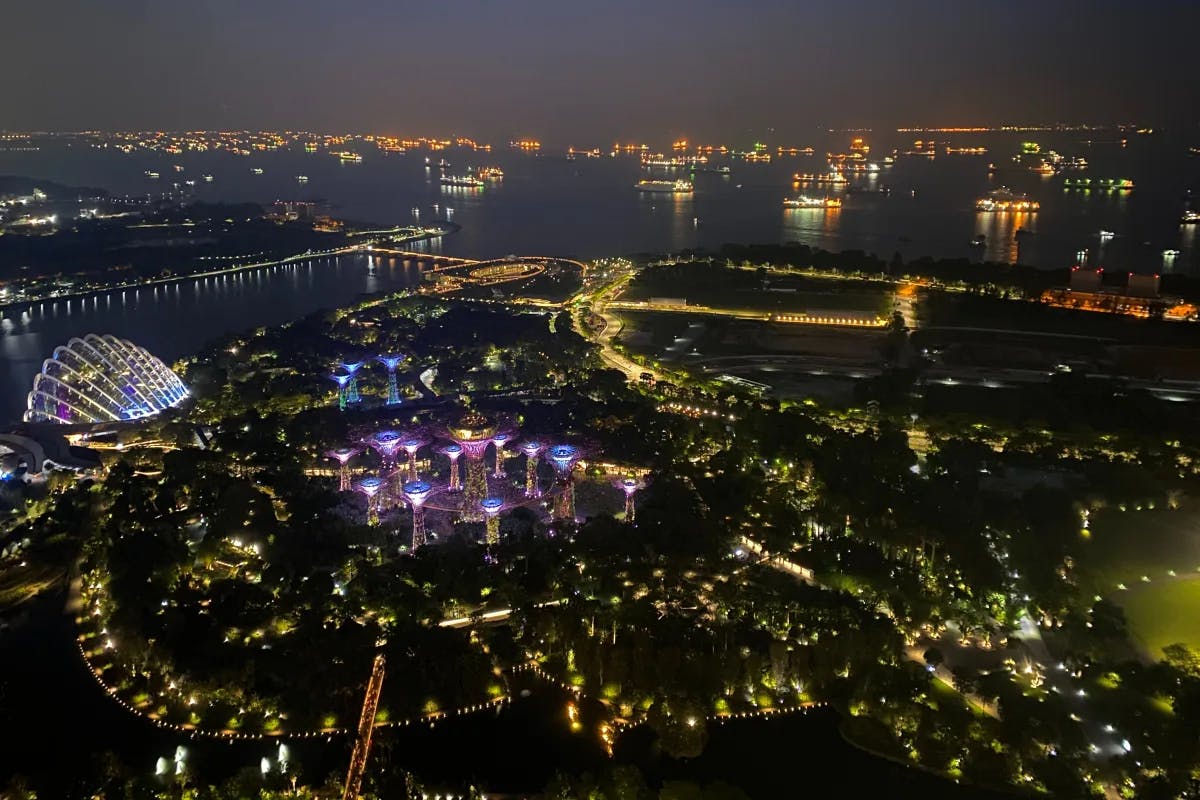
<point x="564" y="458"/>
<point x="352" y="368"/>
<point x="492" y="506"/>
<point x="371" y="487"/>
<point x="343" y="455"/>
<point x="391" y="362"/>
<point x="343" y="381"/>
<point x="473" y="432"/>
<point x="417" y="492"/>
<point x="533" y="451"/>
<point x="453" y="451"/>
<point x="412" y="443"/>
<point x="498" y="441"/>
<point x="630" y="486"/>
<point x="387" y="443"/>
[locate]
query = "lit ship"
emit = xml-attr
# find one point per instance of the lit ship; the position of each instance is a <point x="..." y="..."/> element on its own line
<point x="824" y="177"/>
<point x="257" y="170"/>
<point x="310" y="147"/>
<point x="666" y="187"/>
<point x="1191" y="217"/>
<point x="677" y="161"/>
<point x="461" y="180"/>
<point x="208" y="179"/>
<point x="346" y="155"/>
<point x="490" y="173"/>
<point x="1101" y="184"/>
<point x="152" y="175"/>
<point x="804" y="201"/>
<point x="1005" y="199"/>
<point x="301" y="179"/>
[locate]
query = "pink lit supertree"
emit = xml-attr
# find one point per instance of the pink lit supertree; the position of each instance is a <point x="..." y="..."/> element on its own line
<point x="417" y="492"/>
<point x="411" y="443"/>
<point x="533" y="451"/>
<point x="371" y="487"/>
<point x="564" y="457"/>
<point x="343" y="455"/>
<point x="473" y="432"/>
<point x="453" y="451"/>
<point x="630" y="486"/>
<point x="386" y="443"/>
<point x="498" y="441"/>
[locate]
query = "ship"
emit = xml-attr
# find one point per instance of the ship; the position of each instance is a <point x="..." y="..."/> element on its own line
<point x="1005" y="199"/>
<point x="346" y="155"/>
<point x="666" y="187"/>
<point x="469" y="181"/>
<point x="1190" y="217"/>
<point x="1100" y="184"/>
<point x="310" y="147"/>
<point x="980" y="240"/>
<point x="823" y="177"/>
<point x="152" y="175"/>
<point x="301" y="179"/>
<point x="805" y="201"/>
<point x="257" y="170"/>
<point x="490" y="173"/>
<point x="208" y="179"/>
<point x="721" y="170"/>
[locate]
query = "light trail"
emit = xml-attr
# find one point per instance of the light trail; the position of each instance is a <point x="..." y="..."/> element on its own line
<point x="366" y="724"/>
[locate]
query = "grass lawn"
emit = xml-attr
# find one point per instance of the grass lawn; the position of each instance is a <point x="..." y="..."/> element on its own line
<point x="1124" y="546"/>
<point x="1163" y="613"/>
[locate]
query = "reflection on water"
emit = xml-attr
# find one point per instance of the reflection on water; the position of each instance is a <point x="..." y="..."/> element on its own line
<point x="802" y="224"/>
<point x="1003" y="231"/>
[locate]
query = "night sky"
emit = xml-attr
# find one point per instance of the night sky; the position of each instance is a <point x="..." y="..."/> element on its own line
<point x="587" y="72"/>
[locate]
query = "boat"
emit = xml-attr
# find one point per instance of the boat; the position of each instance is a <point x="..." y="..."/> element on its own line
<point x="208" y="178"/>
<point x="805" y="201"/>
<point x="188" y="183"/>
<point x="302" y="179"/>
<point x="490" y="173"/>
<point x="666" y="187"/>
<point x="469" y="181"/>
<point x="257" y="170"/>
<point x="443" y="163"/>
<point x="347" y="156"/>
<point x="310" y="147"/>
<point x="1106" y="235"/>
<point x="152" y="175"/>
<point x="1190" y="217"/>
<point x="979" y="240"/>
<point x="1005" y="199"/>
<point x="721" y="170"/>
<point x="822" y="177"/>
<point x="1100" y="184"/>
<point x="882" y="190"/>
<point x="179" y="168"/>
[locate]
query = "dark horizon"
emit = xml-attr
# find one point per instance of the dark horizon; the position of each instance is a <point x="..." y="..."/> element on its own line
<point x="589" y="74"/>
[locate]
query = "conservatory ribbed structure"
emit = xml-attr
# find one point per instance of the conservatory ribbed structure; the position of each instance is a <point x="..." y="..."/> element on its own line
<point x="102" y="379"/>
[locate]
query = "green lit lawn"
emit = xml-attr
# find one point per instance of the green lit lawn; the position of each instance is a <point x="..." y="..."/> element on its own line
<point x="1163" y="613"/>
<point x="1125" y="546"/>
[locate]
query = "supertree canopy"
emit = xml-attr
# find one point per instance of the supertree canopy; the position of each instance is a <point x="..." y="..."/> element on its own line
<point x="392" y="362"/>
<point x="343" y="382"/>
<point x="629" y="485"/>
<point x="343" y="455"/>
<point x="371" y="487"/>
<point x="102" y="379"/>
<point x="492" y="506"/>
<point x="453" y="451"/>
<point x="473" y="432"/>
<point x="417" y="492"/>
<point x="533" y="451"/>
<point x="564" y="458"/>
<point x="412" y="443"/>
<point x="352" y="368"/>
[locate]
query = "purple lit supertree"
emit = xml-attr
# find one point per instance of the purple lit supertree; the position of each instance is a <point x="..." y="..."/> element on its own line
<point x="491" y="507"/>
<point x="352" y="368"/>
<point x="371" y="487"/>
<point x="533" y="451"/>
<point x="387" y="443"/>
<point x="564" y="457"/>
<point x="498" y="441"/>
<point x="391" y="362"/>
<point x="411" y="443"/>
<point x="343" y="455"/>
<point x="343" y="381"/>
<point x="417" y="492"/>
<point x="630" y="486"/>
<point x="453" y="451"/>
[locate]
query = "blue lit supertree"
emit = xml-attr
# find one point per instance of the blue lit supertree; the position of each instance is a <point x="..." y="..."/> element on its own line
<point x="343" y="381"/>
<point x="391" y="362"/>
<point x="352" y="368"/>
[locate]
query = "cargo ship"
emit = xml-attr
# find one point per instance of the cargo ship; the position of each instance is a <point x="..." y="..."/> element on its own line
<point x="490" y="173"/>
<point x="804" y="201"/>
<point x="346" y="155"/>
<point x="1190" y="217"/>
<point x="1100" y="184"/>
<point x="665" y="187"/>
<point x="824" y="177"/>
<point x="469" y="181"/>
<point x="1005" y="199"/>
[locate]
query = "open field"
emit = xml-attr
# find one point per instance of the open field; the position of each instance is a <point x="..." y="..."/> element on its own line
<point x="1163" y="613"/>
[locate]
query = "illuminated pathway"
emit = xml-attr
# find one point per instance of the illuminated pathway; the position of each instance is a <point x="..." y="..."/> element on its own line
<point x="366" y="723"/>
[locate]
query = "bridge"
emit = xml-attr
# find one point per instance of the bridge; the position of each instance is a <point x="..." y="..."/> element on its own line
<point x="366" y="724"/>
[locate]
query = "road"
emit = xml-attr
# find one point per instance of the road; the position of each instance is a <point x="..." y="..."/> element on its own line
<point x="366" y="724"/>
